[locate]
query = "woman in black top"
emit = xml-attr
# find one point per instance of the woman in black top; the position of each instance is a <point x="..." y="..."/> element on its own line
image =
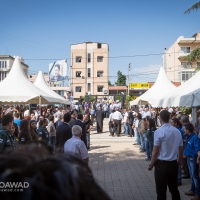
<point x="24" y="135"/>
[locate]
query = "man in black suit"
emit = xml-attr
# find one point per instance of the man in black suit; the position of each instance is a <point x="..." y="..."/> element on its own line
<point x="63" y="132"/>
<point x="130" y="122"/>
<point x="99" y="119"/>
<point x="83" y="126"/>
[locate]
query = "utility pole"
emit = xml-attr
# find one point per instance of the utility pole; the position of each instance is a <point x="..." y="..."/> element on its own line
<point x="129" y="69"/>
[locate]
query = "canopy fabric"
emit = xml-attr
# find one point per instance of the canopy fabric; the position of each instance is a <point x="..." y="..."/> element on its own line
<point x="41" y="83"/>
<point x="161" y="87"/>
<point x="187" y="94"/>
<point x="16" y="88"/>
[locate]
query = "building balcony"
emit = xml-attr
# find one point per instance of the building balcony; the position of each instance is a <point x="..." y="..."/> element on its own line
<point x="183" y="53"/>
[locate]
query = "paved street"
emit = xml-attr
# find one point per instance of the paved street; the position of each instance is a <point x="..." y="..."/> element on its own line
<point x="121" y="170"/>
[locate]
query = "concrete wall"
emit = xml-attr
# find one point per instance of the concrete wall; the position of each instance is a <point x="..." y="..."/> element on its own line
<point x="82" y="50"/>
<point x="174" y="56"/>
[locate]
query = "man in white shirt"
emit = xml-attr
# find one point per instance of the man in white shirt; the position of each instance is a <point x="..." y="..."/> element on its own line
<point x="117" y="117"/>
<point x="75" y="145"/>
<point x="125" y="121"/>
<point x="26" y="113"/>
<point x="146" y="112"/>
<point x="168" y="145"/>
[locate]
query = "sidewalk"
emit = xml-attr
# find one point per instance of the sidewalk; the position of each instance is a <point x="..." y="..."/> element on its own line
<point x="121" y="170"/>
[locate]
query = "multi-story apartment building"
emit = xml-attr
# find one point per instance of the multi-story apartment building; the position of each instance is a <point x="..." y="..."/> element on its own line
<point x="6" y="62"/>
<point x="176" y="67"/>
<point x="89" y="68"/>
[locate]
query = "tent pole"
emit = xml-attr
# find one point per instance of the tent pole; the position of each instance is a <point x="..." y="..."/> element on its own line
<point x="40" y="100"/>
<point x="194" y="115"/>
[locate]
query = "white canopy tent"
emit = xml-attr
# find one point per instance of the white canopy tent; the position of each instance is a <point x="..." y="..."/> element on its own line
<point x="16" y="88"/>
<point x="187" y="94"/>
<point x="161" y="87"/>
<point x="41" y="83"/>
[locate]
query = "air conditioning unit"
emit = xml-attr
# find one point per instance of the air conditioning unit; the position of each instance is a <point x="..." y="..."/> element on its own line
<point x="105" y="91"/>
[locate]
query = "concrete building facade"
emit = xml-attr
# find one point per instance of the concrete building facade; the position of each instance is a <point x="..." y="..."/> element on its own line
<point x="6" y="62"/>
<point x="89" y="68"/>
<point x="177" y="69"/>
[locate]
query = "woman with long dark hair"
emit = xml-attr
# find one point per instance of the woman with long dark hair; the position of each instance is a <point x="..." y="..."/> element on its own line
<point x="33" y="132"/>
<point x="24" y="135"/>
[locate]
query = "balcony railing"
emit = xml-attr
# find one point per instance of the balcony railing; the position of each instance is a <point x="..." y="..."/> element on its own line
<point x="183" y="53"/>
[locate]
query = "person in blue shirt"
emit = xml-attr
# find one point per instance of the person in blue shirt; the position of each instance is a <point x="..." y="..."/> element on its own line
<point x="16" y="119"/>
<point x="192" y="151"/>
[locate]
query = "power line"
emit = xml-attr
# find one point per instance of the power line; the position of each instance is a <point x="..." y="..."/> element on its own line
<point x="122" y="56"/>
<point x="30" y="47"/>
<point x="32" y="41"/>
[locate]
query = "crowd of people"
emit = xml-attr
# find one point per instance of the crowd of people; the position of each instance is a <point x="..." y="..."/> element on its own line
<point x="53" y="125"/>
<point x="164" y="135"/>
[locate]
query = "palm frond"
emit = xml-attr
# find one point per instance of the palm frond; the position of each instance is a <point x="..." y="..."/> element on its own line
<point x="194" y="56"/>
<point x="196" y="6"/>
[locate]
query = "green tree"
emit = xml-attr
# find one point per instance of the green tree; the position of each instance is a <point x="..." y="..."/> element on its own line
<point x="193" y="57"/>
<point x="121" y="79"/>
<point x="127" y="101"/>
<point x="196" y="6"/>
<point x="110" y="84"/>
<point x="186" y="110"/>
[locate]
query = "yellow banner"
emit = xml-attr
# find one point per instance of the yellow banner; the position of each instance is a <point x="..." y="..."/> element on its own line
<point x="139" y="85"/>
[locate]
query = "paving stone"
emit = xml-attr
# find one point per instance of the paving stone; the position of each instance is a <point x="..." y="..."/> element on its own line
<point x="121" y="170"/>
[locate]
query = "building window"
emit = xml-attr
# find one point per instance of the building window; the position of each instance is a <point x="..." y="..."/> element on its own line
<point x="99" y="88"/>
<point x="99" y="58"/>
<point x="185" y="49"/>
<point x="185" y="75"/>
<point x="78" y="89"/>
<point x="89" y="57"/>
<point x="78" y="59"/>
<point x="185" y="65"/>
<point x="5" y="64"/>
<point x="98" y="45"/>
<point x="89" y="87"/>
<point x="99" y="73"/>
<point x="89" y="72"/>
<point x="78" y="74"/>
<point x="2" y="64"/>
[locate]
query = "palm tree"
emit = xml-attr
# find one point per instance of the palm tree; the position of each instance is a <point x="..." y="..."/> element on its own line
<point x="193" y="57"/>
<point x="196" y="6"/>
<point x="195" y="54"/>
